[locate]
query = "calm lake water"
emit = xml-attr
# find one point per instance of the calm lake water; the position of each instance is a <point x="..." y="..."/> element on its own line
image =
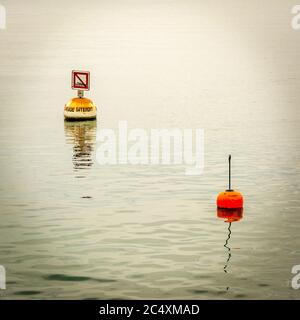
<point x="71" y="228"/>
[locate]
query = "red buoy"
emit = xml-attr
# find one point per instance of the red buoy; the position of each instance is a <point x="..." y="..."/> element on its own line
<point x="230" y="199"/>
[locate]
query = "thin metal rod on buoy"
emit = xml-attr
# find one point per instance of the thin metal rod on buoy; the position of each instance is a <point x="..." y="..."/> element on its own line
<point x="80" y="93"/>
<point x="229" y="162"/>
<point x="230" y="199"/>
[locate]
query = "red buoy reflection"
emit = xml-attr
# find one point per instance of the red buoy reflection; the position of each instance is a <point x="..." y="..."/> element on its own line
<point x="230" y="215"/>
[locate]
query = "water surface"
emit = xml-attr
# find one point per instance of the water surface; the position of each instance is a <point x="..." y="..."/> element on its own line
<point x="71" y="228"/>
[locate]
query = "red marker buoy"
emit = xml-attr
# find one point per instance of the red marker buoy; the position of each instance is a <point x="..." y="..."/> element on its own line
<point x="230" y="199"/>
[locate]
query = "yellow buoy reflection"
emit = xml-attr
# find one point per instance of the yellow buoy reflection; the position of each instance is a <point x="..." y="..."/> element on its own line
<point x="82" y="135"/>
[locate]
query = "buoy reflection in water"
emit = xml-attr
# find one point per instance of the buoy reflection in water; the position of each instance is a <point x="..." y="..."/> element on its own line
<point x="82" y="135"/>
<point x="230" y="216"/>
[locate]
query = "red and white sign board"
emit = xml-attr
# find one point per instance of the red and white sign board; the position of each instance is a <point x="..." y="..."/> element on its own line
<point x="80" y="80"/>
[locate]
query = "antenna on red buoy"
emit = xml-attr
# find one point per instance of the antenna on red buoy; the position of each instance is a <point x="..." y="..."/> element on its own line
<point x="229" y="163"/>
<point x="230" y="199"/>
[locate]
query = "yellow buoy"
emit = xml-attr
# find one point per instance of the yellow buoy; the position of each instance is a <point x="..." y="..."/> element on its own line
<point x="80" y="109"/>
